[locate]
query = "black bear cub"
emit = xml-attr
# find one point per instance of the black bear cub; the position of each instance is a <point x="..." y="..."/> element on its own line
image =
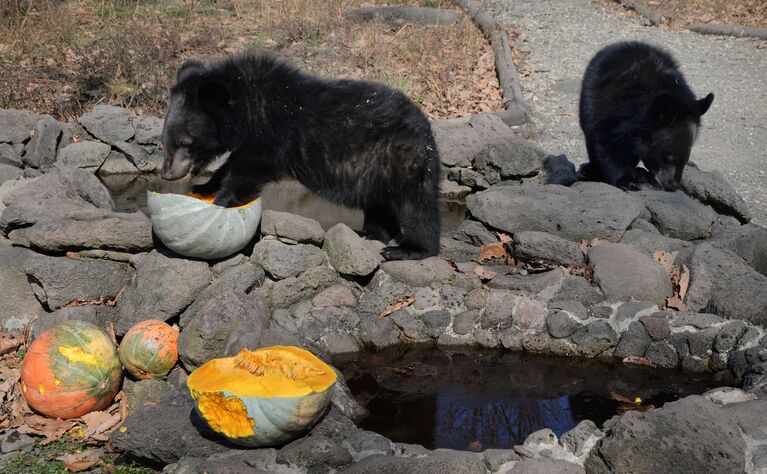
<point x="636" y="106"/>
<point x="360" y="144"/>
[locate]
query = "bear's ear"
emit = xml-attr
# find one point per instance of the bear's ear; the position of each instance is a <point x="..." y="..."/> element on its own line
<point x="703" y="104"/>
<point x="665" y="110"/>
<point x="213" y="95"/>
<point x="187" y="68"/>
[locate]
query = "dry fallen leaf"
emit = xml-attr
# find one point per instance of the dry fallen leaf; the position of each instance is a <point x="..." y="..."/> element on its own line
<point x="77" y="462"/>
<point x="99" y="424"/>
<point x="665" y="259"/>
<point x="484" y="274"/>
<point x="684" y="282"/>
<point x="637" y="361"/>
<point x="9" y="343"/>
<point x="588" y="244"/>
<point x="403" y="302"/>
<point x="494" y="250"/>
<point x="51" y="429"/>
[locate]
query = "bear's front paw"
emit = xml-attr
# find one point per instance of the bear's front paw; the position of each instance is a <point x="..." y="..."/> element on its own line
<point x="206" y="189"/>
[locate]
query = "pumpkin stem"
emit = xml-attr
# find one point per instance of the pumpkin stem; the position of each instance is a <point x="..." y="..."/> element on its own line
<point x="269" y="363"/>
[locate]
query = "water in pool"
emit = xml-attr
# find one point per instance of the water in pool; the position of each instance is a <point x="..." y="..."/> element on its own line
<point x="129" y="195"/>
<point x="485" y="399"/>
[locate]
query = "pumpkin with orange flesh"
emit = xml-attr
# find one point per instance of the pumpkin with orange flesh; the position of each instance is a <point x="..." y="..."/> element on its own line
<point x="70" y="370"/>
<point x="149" y="350"/>
<point x="264" y="397"/>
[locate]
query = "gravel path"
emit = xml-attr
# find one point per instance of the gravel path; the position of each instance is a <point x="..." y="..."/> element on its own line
<point x="562" y="35"/>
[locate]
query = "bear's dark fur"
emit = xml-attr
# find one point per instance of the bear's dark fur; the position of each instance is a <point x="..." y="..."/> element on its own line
<point x="636" y="106"/>
<point x="360" y="144"/>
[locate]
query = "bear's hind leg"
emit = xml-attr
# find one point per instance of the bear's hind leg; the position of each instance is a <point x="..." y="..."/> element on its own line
<point x="419" y="220"/>
<point x="380" y="224"/>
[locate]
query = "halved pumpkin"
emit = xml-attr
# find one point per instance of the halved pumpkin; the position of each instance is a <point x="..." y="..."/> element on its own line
<point x="70" y="370"/>
<point x="193" y="226"/>
<point x="149" y="350"/>
<point x="264" y="397"/>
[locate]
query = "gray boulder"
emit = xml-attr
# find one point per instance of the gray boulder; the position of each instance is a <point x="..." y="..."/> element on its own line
<point x="294" y="289"/>
<point x="206" y="334"/>
<point x="622" y="272"/>
<point x="99" y="315"/>
<point x="108" y="123"/>
<point x="18" y="306"/>
<point x="136" y="155"/>
<point x="583" y="211"/>
<point x="16" y="124"/>
<point x="282" y="260"/>
<point x="161" y="288"/>
<point x="475" y="233"/>
<point x="459" y="142"/>
<point x="419" y="272"/>
<point x="691" y="435"/>
<point x="116" y="231"/>
<point x="434" y="462"/>
<point x="748" y="241"/>
<point x="468" y="178"/>
<point x="41" y="149"/>
<point x="10" y="156"/>
<point x="291" y="226"/>
<point x="117" y="163"/>
<point x="59" y="194"/>
<point x="57" y="281"/>
<point x="166" y="432"/>
<point x="349" y="253"/>
<point x="532" y="246"/>
<point x="149" y="130"/>
<point x="649" y="242"/>
<point x="546" y="466"/>
<point x="508" y="159"/>
<point x="145" y="393"/>
<point x="710" y="187"/>
<point x="722" y="283"/>
<point x="677" y="215"/>
<point x="595" y="338"/>
<point x="8" y="172"/>
<point x="242" y="277"/>
<point x="88" y="155"/>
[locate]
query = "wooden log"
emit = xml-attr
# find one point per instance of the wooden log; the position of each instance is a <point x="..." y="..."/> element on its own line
<point x="516" y="112"/>
<point x="654" y="17"/>
<point x="729" y="30"/>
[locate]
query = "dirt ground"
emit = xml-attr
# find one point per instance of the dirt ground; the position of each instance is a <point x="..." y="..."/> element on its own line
<point x="679" y="14"/>
<point x="62" y="57"/>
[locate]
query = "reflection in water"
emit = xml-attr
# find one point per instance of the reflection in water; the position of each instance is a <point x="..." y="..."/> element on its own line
<point x="484" y="399"/>
<point x="129" y="195"/>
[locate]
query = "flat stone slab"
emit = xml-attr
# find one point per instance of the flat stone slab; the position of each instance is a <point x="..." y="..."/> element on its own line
<point x="583" y="211"/>
<point x="690" y="435"/>
<point x="722" y="283"/>
<point x="623" y="273"/>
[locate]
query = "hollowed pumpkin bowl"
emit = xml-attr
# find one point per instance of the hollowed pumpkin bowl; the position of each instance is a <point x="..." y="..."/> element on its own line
<point x="193" y="226"/>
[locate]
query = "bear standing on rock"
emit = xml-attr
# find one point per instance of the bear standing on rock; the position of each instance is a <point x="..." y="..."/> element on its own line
<point x="636" y="106"/>
<point x="360" y="144"/>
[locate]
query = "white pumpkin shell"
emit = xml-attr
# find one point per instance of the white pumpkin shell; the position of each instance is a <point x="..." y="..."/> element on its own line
<point x="194" y="228"/>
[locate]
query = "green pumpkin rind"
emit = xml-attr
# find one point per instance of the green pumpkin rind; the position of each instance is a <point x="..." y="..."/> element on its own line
<point x="71" y="369"/>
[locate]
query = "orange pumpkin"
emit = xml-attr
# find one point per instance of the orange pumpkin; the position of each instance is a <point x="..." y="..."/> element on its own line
<point x="70" y="370"/>
<point x="149" y="349"/>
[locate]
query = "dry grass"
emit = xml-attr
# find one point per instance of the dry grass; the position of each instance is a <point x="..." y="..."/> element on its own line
<point x="679" y="14"/>
<point x="61" y="57"/>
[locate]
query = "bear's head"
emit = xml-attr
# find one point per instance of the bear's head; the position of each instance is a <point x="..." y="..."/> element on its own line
<point x="193" y="131"/>
<point x="674" y="126"/>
